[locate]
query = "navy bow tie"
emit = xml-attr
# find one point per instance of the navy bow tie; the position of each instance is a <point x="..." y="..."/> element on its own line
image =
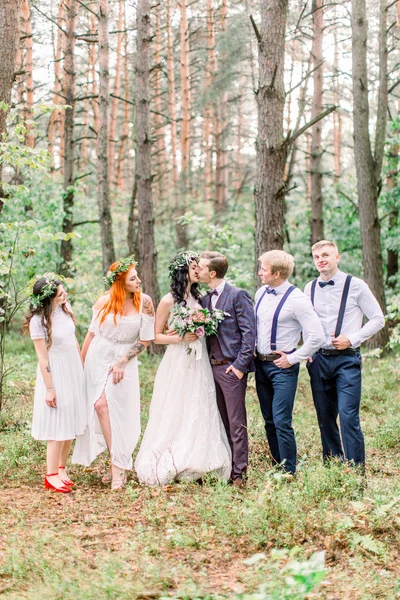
<point x="324" y="283"/>
<point x="212" y="292"/>
<point x="270" y="290"/>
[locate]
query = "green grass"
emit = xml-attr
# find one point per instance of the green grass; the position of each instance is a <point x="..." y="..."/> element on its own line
<point x="210" y="541"/>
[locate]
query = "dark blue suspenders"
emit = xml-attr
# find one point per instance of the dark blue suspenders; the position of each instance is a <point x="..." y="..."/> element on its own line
<point x="343" y="302"/>
<point x="276" y="314"/>
<point x="342" y="308"/>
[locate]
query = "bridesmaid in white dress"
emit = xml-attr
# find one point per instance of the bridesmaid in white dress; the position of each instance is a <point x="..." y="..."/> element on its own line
<point x="185" y="437"/>
<point x="59" y="412"/>
<point x="121" y="328"/>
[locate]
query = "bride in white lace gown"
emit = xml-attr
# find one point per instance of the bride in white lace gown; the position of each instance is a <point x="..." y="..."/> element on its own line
<point x="184" y="437"/>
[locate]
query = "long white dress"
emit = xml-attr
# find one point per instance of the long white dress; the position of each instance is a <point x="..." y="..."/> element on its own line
<point x="69" y="419"/>
<point x="112" y="341"/>
<point x="184" y="437"/>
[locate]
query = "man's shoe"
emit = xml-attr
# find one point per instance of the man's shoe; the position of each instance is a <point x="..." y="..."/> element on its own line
<point x="238" y="483"/>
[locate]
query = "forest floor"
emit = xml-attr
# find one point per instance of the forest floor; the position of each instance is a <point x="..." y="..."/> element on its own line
<point x="210" y="541"/>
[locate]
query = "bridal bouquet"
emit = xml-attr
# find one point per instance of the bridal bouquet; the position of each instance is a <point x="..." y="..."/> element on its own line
<point x="200" y="321"/>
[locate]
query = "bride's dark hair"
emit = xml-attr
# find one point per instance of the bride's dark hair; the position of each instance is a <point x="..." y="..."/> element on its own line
<point x="179" y="281"/>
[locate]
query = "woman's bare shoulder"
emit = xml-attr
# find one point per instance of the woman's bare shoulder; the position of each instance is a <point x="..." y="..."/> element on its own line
<point x="100" y="302"/>
<point x="167" y="301"/>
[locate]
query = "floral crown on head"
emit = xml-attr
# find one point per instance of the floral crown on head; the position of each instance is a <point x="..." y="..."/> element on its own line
<point x="123" y="266"/>
<point x="181" y="260"/>
<point x="36" y="300"/>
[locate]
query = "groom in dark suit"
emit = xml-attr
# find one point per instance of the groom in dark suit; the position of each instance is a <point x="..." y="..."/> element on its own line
<point x="231" y="354"/>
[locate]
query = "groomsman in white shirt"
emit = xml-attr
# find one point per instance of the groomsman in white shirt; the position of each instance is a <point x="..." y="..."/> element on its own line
<point x="340" y="301"/>
<point x="282" y="312"/>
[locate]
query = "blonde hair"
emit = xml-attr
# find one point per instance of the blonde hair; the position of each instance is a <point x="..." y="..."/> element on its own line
<point x="280" y="261"/>
<point x="322" y="243"/>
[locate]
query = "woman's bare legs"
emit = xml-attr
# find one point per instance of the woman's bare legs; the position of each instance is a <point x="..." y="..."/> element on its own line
<point x="54" y="451"/>
<point x="103" y="415"/>
<point x="63" y="459"/>
<point x="117" y="474"/>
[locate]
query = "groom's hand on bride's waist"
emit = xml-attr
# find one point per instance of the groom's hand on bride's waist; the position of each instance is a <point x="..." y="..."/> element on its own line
<point x="239" y="374"/>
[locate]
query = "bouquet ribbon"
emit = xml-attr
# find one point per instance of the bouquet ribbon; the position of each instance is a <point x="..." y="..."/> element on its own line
<point x="197" y="346"/>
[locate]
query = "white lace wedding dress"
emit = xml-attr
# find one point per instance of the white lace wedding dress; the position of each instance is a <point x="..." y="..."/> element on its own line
<point x="184" y="437"/>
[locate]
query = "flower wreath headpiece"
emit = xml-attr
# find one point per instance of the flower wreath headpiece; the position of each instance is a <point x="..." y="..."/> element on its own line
<point x="124" y="265"/>
<point x="36" y="301"/>
<point x="182" y="259"/>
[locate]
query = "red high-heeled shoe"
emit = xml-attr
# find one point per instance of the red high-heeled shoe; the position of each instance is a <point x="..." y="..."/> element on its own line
<point x="67" y="482"/>
<point x="49" y="486"/>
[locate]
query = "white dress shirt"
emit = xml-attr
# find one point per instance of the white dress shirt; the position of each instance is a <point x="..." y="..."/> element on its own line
<point x="360" y="301"/>
<point x="297" y="316"/>
<point x="219" y="289"/>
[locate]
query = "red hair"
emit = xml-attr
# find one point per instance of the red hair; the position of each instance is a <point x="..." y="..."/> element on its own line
<point x="115" y="303"/>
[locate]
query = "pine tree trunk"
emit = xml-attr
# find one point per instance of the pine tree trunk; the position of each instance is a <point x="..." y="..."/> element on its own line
<point x="271" y="147"/>
<point x="368" y="166"/>
<point x="9" y="42"/>
<point x="181" y="230"/>
<point x="221" y="129"/>
<point x="56" y="115"/>
<point x="116" y="92"/>
<point x="69" y="84"/>
<point x="208" y="113"/>
<point x="317" y="219"/>
<point x="337" y="119"/>
<point x="147" y="252"/>
<point x="161" y="162"/>
<point x="171" y="98"/>
<point x="103" y="185"/>
<point x="27" y="28"/>
<point x="92" y="70"/>
<point x="120" y="182"/>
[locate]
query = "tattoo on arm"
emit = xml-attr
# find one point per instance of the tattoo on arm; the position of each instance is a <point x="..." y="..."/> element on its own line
<point x="148" y="308"/>
<point x="132" y="352"/>
<point x="48" y="368"/>
<point x="135" y="350"/>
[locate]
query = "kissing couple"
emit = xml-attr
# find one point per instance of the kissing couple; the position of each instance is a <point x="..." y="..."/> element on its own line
<point x="197" y="422"/>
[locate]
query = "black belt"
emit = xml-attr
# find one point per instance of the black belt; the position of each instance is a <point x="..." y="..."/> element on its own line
<point x="271" y="357"/>
<point x="268" y="357"/>
<point x="347" y="352"/>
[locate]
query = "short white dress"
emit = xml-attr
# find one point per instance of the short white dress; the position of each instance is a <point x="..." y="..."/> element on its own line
<point x="185" y="437"/>
<point x="69" y="419"/>
<point x="112" y="341"/>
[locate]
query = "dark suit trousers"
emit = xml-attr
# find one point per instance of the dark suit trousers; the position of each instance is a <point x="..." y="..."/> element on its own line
<point x="336" y="388"/>
<point x="276" y="390"/>
<point x="231" y="394"/>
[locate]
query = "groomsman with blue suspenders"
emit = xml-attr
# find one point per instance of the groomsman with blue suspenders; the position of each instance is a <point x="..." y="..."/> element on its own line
<point x="340" y="301"/>
<point x="283" y="313"/>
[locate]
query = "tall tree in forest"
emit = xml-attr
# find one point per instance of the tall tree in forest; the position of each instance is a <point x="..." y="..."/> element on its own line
<point x="181" y="230"/>
<point x="69" y="84"/>
<point x="271" y="147"/>
<point x="147" y="252"/>
<point x="369" y="163"/>
<point x="171" y="97"/>
<point x="116" y="92"/>
<point x="103" y="183"/>
<point x="56" y="116"/>
<point x="220" y="133"/>
<point x="317" y="220"/>
<point x="9" y="41"/>
<point x="28" y="105"/>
